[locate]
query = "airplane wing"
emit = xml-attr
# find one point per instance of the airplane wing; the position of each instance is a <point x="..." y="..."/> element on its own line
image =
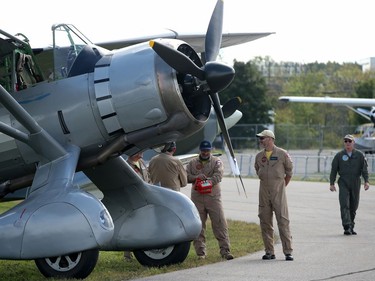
<point x="330" y="100"/>
<point x="348" y="102"/>
<point x="197" y="41"/>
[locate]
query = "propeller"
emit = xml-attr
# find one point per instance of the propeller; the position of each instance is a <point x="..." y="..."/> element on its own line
<point x="231" y="106"/>
<point x="214" y="76"/>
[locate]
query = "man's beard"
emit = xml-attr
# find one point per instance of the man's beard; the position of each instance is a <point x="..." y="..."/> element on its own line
<point x="204" y="158"/>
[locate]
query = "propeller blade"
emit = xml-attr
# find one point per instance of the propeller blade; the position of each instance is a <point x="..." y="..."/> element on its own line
<point x="225" y="134"/>
<point x="214" y="32"/>
<point x="233" y="164"/>
<point x="220" y="118"/>
<point x="234" y="167"/>
<point x="177" y="60"/>
<point x="218" y="76"/>
<point x="231" y="120"/>
<point x="231" y="106"/>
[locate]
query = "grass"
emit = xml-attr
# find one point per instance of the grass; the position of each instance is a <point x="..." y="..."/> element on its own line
<point x="245" y="238"/>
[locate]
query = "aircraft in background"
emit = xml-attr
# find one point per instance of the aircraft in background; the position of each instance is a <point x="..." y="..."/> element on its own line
<point x="361" y="129"/>
<point x="364" y="142"/>
<point x="77" y="107"/>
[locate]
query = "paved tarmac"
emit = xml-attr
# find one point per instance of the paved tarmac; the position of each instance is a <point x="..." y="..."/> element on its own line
<point x="321" y="251"/>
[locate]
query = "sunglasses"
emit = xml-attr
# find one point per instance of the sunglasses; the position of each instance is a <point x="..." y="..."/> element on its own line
<point x="262" y="138"/>
<point x="349" y="141"/>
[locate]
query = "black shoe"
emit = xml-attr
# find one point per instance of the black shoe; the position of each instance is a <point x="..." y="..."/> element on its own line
<point x="269" y="256"/>
<point x="347" y="229"/>
<point x="353" y="232"/>
<point x="228" y="256"/>
<point x="289" y="257"/>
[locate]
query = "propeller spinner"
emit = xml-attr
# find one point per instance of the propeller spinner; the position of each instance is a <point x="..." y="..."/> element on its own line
<point x="213" y="76"/>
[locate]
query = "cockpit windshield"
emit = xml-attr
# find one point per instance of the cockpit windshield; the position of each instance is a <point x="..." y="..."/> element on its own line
<point x="68" y="42"/>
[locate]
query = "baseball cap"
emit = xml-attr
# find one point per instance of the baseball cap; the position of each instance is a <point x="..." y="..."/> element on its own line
<point x="349" y="137"/>
<point x="169" y="146"/>
<point x="266" y="133"/>
<point x="205" y="145"/>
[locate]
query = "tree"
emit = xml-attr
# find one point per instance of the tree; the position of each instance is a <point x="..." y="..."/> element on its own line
<point x="366" y="89"/>
<point x="251" y="87"/>
<point x="333" y="80"/>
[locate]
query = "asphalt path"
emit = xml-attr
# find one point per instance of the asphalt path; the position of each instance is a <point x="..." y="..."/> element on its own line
<point x="321" y="251"/>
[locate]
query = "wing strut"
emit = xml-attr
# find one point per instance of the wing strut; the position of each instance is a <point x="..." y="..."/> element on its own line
<point x="38" y="138"/>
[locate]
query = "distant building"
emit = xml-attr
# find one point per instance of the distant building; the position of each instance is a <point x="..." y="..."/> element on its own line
<point x="368" y="64"/>
<point x="279" y="69"/>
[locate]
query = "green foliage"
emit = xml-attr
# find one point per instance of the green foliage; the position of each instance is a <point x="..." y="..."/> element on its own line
<point x="4" y="206"/>
<point x="365" y="89"/>
<point x="251" y="87"/>
<point x="261" y="81"/>
<point x="319" y="80"/>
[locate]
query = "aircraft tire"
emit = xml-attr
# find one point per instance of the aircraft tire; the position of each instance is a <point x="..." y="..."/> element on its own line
<point x="164" y="256"/>
<point x="76" y="265"/>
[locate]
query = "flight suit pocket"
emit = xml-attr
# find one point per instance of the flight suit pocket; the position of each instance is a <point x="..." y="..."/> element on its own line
<point x="278" y="170"/>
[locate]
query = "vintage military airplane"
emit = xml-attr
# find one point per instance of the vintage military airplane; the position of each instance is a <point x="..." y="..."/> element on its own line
<point x="77" y="107"/>
<point x="364" y="142"/>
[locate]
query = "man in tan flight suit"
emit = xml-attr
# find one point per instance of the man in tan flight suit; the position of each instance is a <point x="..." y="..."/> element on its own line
<point x="139" y="166"/>
<point x="209" y="167"/>
<point x="166" y="170"/>
<point x="274" y="168"/>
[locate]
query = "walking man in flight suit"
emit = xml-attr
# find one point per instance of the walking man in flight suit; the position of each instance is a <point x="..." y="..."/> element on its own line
<point x="350" y="164"/>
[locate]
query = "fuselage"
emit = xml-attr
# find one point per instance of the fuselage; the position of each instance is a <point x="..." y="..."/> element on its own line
<point x="127" y="101"/>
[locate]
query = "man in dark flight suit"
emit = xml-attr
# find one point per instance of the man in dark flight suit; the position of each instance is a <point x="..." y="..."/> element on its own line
<point x="350" y="164"/>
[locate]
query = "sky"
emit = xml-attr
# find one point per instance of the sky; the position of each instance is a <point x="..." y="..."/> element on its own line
<point x="304" y="31"/>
